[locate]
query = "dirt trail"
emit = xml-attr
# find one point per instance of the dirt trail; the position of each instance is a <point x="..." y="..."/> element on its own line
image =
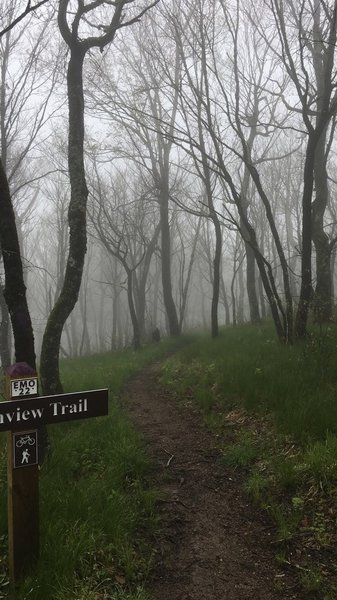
<point x="213" y="545"/>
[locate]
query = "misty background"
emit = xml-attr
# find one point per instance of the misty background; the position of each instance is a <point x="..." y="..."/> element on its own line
<point x="204" y="123"/>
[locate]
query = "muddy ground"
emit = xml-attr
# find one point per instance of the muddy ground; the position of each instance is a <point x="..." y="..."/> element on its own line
<point x="213" y="544"/>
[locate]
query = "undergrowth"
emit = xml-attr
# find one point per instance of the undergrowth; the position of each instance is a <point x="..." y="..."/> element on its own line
<point x="274" y="410"/>
<point x="97" y="512"/>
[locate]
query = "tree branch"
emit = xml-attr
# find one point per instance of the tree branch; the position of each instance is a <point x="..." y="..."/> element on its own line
<point x="26" y="12"/>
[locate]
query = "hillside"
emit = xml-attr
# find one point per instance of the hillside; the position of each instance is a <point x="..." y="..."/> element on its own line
<point x="223" y="486"/>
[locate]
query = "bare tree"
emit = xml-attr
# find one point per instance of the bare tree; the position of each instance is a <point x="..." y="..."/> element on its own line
<point x="220" y="120"/>
<point x="20" y="125"/>
<point x="15" y="289"/>
<point x="186" y="262"/>
<point x="306" y="49"/>
<point x="124" y="225"/>
<point x="87" y="19"/>
<point x="146" y="117"/>
<point x="15" y="20"/>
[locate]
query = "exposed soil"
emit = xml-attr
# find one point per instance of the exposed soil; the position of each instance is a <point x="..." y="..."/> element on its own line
<point x="213" y="544"/>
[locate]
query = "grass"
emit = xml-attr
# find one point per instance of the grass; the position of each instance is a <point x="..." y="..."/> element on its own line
<point x="112" y="370"/>
<point x="242" y="453"/>
<point x="274" y="411"/>
<point x="97" y="511"/>
<point x="246" y="366"/>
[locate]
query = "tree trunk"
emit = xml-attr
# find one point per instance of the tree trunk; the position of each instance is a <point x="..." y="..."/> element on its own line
<point x="323" y="290"/>
<point x="225" y="300"/>
<point x="101" y="325"/>
<point x="250" y="258"/>
<point x="323" y="61"/>
<point x="139" y="292"/>
<point x="241" y="311"/>
<point x="323" y="55"/>
<point x="306" y="272"/>
<point x="140" y="286"/>
<point x="115" y="311"/>
<point x="133" y="315"/>
<point x="203" y="308"/>
<point x="50" y="377"/>
<point x="216" y="275"/>
<point x="287" y="314"/>
<point x="233" y="296"/>
<point x="85" y="345"/>
<point x="267" y="280"/>
<point x="4" y="332"/>
<point x="291" y="244"/>
<point x="155" y="295"/>
<point x="171" y="311"/>
<point x="262" y="301"/>
<point x="332" y="266"/>
<point x="186" y="285"/>
<point x="15" y="289"/>
<point x="251" y="285"/>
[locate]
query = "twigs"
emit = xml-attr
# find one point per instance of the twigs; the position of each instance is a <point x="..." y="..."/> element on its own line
<point x="170" y="459"/>
<point x="26" y="12"/>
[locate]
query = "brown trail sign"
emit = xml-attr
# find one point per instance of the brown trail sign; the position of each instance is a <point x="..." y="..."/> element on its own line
<point x="22" y="418"/>
<point x="33" y="412"/>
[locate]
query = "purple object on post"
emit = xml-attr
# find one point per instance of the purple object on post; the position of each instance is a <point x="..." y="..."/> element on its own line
<point x="20" y="368"/>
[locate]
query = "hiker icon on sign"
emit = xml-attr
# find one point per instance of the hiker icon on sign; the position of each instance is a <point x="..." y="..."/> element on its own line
<point x="25" y="449"/>
<point x="25" y="457"/>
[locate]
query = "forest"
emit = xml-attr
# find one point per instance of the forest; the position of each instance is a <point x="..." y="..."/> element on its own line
<point x="167" y="186"/>
<point x="186" y="151"/>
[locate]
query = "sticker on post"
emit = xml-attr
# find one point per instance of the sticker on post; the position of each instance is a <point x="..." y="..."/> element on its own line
<point x="25" y="449"/>
<point x="24" y="387"/>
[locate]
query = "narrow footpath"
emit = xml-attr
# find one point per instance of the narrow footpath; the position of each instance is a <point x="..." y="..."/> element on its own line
<point x="213" y="544"/>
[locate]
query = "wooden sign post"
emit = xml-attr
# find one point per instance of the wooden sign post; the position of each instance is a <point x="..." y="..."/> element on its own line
<point x="23" y="481"/>
<point x="22" y="416"/>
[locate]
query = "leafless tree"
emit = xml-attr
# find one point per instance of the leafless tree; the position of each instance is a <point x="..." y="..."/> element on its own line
<point x="123" y="223"/>
<point x="80" y="37"/>
<point x="14" y="19"/>
<point x="306" y="47"/>
<point x="20" y="125"/>
<point x="197" y="32"/>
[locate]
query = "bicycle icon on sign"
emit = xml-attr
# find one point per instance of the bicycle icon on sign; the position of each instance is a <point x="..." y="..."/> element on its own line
<point x="25" y="439"/>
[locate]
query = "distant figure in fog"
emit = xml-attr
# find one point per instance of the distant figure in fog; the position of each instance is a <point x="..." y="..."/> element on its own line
<point x="156" y="335"/>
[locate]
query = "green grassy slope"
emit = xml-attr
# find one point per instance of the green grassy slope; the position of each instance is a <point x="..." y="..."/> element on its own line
<point x="274" y="410"/>
<point x="97" y="512"/>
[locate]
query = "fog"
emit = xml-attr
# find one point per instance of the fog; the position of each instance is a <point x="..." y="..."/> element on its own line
<point x="209" y="139"/>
